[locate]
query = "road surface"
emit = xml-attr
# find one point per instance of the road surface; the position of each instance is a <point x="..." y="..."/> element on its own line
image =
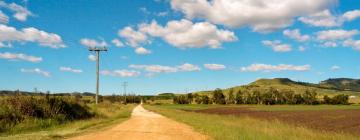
<point x="146" y="125"/>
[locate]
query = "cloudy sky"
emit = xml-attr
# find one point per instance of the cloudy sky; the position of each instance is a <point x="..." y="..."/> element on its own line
<point x="175" y="45"/>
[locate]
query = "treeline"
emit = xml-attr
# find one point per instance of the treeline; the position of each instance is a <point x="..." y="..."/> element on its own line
<point x="269" y="97"/>
<point x="124" y="99"/>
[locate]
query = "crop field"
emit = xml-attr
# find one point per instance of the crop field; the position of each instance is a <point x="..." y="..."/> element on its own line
<point x="272" y="122"/>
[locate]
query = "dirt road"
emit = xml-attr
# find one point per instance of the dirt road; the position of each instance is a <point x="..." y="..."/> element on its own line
<point x="146" y="125"/>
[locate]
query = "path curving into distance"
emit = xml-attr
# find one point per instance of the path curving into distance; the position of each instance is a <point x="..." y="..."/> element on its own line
<point x="146" y="125"/>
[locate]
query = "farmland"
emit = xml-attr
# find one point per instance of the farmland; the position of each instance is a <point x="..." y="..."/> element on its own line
<point x="267" y="122"/>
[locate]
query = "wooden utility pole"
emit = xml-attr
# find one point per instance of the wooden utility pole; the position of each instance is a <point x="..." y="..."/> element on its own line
<point x="97" y="51"/>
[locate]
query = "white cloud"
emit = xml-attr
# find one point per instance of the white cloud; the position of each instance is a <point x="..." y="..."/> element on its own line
<point x="4" y="19"/>
<point x="355" y="44"/>
<point x="92" y="57"/>
<point x="214" y="66"/>
<point x="92" y="43"/>
<point x="155" y="68"/>
<point x="162" y="14"/>
<point x="270" y="68"/>
<point x="117" y="43"/>
<point x="302" y="48"/>
<point x="120" y="73"/>
<point x="295" y="34"/>
<point x="330" y="44"/>
<point x="133" y="38"/>
<point x="21" y="13"/>
<point x="188" y="67"/>
<point x="337" y="34"/>
<point x="321" y="19"/>
<point x="335" y="67"/>
<point x="68" y="69"/>
<point x="277" y="46"/>
<point x="186" y="34"/>
<point x="142" y="51"/>
<point x="351" y="15"/>
<point x="3" y="45"/>
<point x="10" y="34"/>
<point x="19" y="56"/>
<point x="326" y="19"/>
<point x="37" y="71"/>
<point x="261" y="16"/>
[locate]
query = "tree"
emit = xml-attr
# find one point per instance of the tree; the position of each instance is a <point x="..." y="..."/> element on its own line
<point x="231" y="98"/>
<point x="218" y="97"/>
<point x="239" y="97"/>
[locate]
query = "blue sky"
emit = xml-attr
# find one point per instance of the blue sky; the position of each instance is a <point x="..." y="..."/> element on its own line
<point x="175" y="45"/>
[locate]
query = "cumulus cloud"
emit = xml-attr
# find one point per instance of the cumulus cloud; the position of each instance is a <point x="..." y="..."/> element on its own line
<point x="355" y="44"/>
<point x="10" y="34"/>
<point x="142" y="51"/>
<point x="20" y="13"/>
<point x="4" y="19"/>
<point x="117" y="43"/>
<point x="270" y="68"/>
<point x="295" y="34"/>
<point x="68" y="69"/>
<point x="120" y="73"/>
<point x="337" y="34"/>
<point x="253" y="13"/>
<point x="277" y="46"/>
<point x="321" y="19"/>
<point x="186" y="34"/>
<point x="302" y="48"/>
<point x="335" y="67"/>
<point x="19" y="56"/>
<point x="351" y="15"/>
<point x="92" y="57"/>
<point x="133" y="38"/>
<point x="92" y="43"/>
<point x="155" y="68"/>
<point x="37" y="71"/>
<point x="330" y="44"/>
<point x="3" y="45"/>
<point x="214" y="66"/>
<point x="326" y="19"/>
<point x="186" y="67"/>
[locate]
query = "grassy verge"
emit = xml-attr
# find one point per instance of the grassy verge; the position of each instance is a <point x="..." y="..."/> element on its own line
<point x="107" y="114"/>
<point x="234" y="128"/>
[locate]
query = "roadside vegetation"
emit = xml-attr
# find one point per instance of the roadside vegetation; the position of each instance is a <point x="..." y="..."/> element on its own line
<point x="50" y="116"/>
<point x="232" y="127"/>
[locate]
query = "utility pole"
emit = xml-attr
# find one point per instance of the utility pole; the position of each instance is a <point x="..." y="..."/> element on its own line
<point x="125" y="84"/>
<point x="97" y="51"/>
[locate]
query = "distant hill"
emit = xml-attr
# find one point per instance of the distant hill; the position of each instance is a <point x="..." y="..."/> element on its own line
<point x="342" y="84"/>
<point x="327" y="87"/>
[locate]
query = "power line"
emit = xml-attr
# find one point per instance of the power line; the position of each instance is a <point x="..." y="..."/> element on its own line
<point x="97" y="50"/>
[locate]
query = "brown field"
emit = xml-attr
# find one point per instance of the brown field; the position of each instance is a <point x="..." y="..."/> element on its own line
<point x="344" y="121"/>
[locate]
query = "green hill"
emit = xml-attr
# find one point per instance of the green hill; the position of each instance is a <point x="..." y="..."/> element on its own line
<point x="342" y="84"/>
<point x="327" y="87"/>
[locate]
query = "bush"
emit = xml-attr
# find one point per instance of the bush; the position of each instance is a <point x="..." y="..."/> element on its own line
<point x="17" y="108"/>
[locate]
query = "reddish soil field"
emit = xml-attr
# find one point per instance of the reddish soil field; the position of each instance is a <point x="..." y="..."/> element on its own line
<point x="346" y="121"/>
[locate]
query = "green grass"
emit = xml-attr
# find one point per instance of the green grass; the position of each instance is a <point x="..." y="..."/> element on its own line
<point x="107" y="115"/>
<point x="234" y="128"/>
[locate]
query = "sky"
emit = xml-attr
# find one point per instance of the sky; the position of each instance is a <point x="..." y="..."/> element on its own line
<point x="175" y="45"/>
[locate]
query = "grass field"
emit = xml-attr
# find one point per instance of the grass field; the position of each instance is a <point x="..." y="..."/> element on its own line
<point x="232" y="127"/>
<point x="107" y="114"/>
